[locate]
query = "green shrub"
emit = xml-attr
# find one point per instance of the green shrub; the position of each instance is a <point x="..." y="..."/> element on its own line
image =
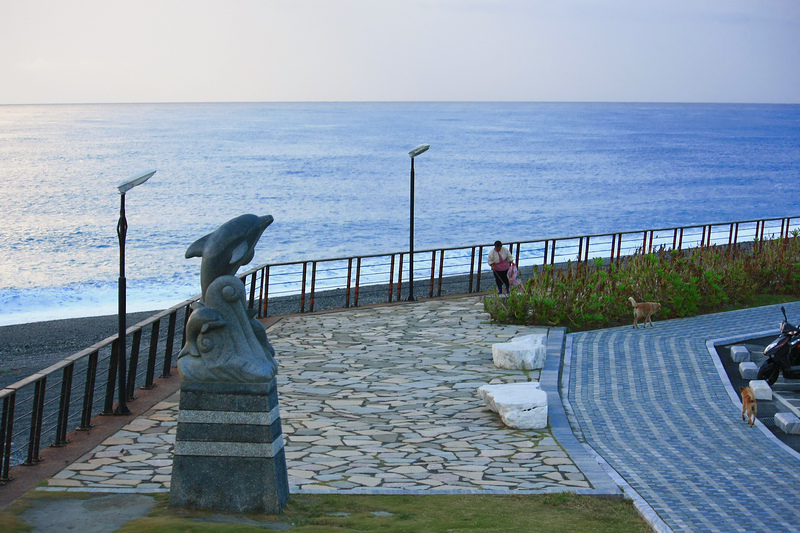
<point x="591" y="294"/>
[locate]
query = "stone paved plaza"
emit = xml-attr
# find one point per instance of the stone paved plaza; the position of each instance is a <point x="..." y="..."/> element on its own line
<point x="377" y="400"/>
<point x="384" y="400"/>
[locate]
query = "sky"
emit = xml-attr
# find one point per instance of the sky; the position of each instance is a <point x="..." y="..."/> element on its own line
<point x="77" y="51"/>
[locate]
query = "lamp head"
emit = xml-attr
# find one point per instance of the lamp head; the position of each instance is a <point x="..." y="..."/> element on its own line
<point x="418" y="150"/>
<point x="133" y="181"/>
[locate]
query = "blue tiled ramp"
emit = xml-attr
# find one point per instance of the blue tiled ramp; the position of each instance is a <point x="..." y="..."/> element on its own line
<point x="653" y="405"/>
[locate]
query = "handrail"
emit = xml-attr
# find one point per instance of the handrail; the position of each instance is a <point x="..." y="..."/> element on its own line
<point x="42" y="407"/>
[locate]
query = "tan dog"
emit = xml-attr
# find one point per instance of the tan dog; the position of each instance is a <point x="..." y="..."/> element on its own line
<point x="643" y="309"/>
<point x="749" y="405"/>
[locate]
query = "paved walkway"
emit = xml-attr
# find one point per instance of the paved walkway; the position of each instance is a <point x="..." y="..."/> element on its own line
<point x="379" y="400"/>
<point x="652" y="404"/>
<point x="383" y="400"/>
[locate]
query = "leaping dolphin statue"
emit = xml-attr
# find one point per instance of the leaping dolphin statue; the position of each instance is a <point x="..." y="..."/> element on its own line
<point x="228" y="247"/>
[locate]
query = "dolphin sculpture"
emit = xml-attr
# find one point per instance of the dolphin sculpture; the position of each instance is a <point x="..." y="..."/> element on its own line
<point x="228" y="247"/>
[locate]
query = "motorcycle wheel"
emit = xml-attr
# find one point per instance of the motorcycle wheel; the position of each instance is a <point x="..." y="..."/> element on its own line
<point x="769" y="372"/>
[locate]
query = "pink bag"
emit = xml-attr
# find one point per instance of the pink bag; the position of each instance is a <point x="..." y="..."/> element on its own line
<point x="512" y="276"/>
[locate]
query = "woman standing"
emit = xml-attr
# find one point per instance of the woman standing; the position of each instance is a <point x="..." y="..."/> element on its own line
<point x="500" y="261"/>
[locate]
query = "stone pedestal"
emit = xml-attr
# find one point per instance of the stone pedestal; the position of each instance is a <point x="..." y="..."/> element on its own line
<point x="229" y="453"/>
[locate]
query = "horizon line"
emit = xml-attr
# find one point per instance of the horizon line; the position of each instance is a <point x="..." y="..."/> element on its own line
<point x="217" y="102"/>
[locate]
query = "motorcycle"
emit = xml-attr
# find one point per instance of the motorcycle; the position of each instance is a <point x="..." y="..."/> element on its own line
<point x="783" y="354"/>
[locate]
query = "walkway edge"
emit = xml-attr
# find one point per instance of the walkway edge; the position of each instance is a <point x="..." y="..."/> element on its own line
<point x="564" y="360"/>
<point x="559" y="424"/>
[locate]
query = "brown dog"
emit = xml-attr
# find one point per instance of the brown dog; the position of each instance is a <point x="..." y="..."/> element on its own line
<point x="643" y="309"/>
<point x="749" y="405"/>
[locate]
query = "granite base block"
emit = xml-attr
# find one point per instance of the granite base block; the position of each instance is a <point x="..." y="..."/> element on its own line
<point x="229" y="453"/>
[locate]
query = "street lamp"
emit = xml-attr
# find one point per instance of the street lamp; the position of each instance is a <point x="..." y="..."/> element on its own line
<point x="122" y="230"/>
<point x="413" y="153"/>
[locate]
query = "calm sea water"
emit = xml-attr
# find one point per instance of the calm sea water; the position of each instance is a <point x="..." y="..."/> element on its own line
<point x="336" y="179"/>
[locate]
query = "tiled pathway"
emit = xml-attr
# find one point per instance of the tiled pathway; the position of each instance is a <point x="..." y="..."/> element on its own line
<point x="652" y="404"/>
<point x="377" y="400"/>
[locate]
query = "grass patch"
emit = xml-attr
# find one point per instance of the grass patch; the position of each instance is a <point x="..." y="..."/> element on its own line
<point x="307" y="513"/>
<point x="401" y="513"/>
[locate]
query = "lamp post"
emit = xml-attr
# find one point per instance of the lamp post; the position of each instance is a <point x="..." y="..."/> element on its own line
<point x="122" y="230"/>
<point x="413" y="153"/>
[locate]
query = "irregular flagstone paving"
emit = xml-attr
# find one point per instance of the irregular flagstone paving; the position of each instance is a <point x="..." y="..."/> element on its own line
<point x="138" y="457"/>
<point x="374" y="400"/>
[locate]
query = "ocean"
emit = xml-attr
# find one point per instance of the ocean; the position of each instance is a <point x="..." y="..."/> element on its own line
<point x="335" y="176"/>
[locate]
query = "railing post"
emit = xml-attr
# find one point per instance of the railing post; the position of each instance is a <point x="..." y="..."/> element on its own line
<point x="433" y="272"/>
<point x="111" y="378"/>
<point x="88" y="393"/>
<point x="313" y="286"/>
<point x="580" y="249"/>
<point x="350" y="280"/>
<point x="63" y="407"/>
<point x="303" y="288"/>
<point x="252" y="291"/>
<point x="613" y="244"/>
<point x="391" y="279"/>
<point x="553" y="253"/>
<point x="187" y="312"/>
<point x="480" y="263"/>
<point x="519" y="247"/>
<point x="400" y="276"/>
<point x="441" y="269"/>
<point x="358" y="279"/>
<point x="586" y="251"/>
<point x="167" y="370"/>
<point x="266" y="292"/>
<point x="260" y="295"/>
<point x="544" y="257"/>
<point x="134" y="364"/>
<point x="471" y="269"/>
<point x="151" y="358"/>
<point x="36" y="423"/>
<point x="6" y="433"/>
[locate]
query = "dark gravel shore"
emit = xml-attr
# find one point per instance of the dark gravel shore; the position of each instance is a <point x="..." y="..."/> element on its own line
<point x="28" y="348"/>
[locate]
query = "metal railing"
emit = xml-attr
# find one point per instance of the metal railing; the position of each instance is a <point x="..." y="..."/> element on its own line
<point x="298" y="287"/>
<point x="43" y="407"/>
<point x="40" y="409"/>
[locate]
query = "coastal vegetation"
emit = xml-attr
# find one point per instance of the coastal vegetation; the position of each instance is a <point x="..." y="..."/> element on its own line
<point x="594" y="294"/>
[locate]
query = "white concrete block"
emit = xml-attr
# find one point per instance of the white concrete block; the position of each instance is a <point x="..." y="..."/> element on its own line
<point x="748" y="370"/>
<point x="761" y="389"/>
<point x="740" y="354"/>
<point x="520" y="405"/>
<point x="788" y="423"/>
<point x="522" y="353"/>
